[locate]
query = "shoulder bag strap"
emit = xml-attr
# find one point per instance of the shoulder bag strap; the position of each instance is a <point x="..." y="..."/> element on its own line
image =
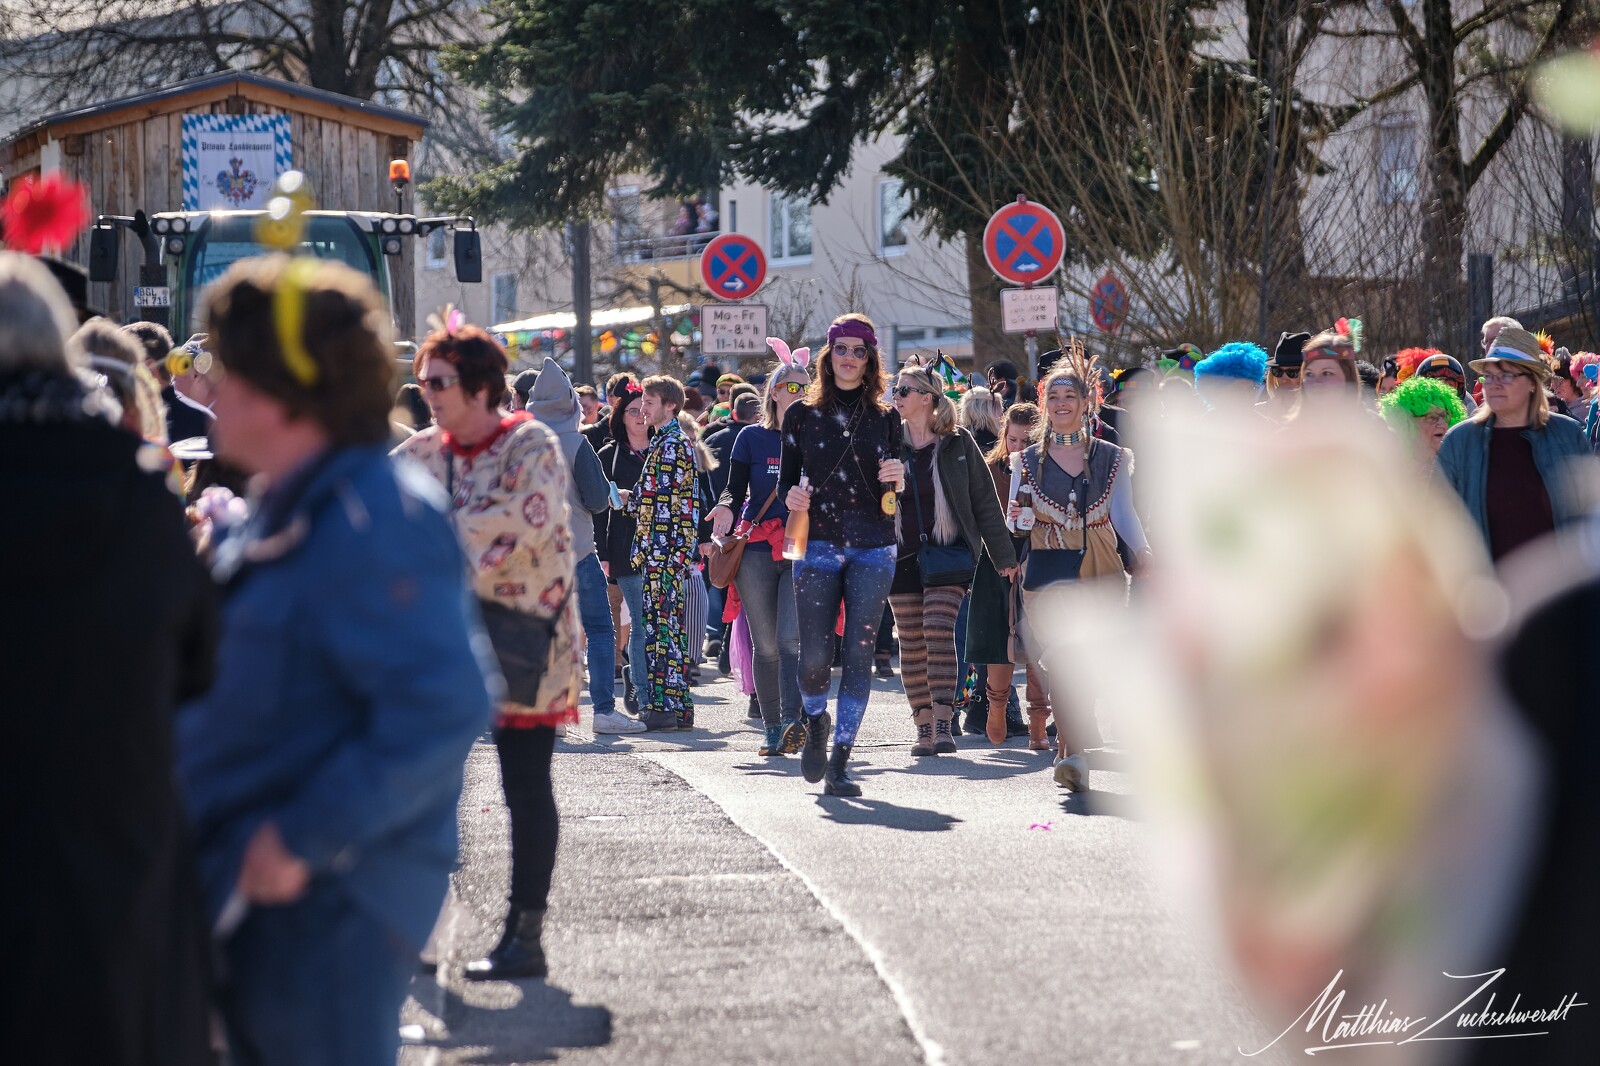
<point x="765" y="507"/>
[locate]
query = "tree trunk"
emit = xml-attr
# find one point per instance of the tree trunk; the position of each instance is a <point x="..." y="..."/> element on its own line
<point x="1444" y="214"/>
<point x="1577" y="229"/>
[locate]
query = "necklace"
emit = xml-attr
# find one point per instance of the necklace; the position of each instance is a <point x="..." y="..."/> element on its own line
<point x="1068" y="440"/>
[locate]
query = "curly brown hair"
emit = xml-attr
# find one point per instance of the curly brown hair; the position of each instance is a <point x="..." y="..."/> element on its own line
<point x="823" y="393"/>
<point x="345" y="332"/>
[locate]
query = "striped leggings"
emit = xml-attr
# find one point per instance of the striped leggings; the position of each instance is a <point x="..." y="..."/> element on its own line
<point x="699" y="605"/>
<point x="926" y="622"/>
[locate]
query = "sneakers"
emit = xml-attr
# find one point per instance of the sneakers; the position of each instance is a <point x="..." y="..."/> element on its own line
<point x="814" y="755"/>
<point x="774" y="742"/>
<point x="882" y="666"/>
<point x="617" y="723"/>
<point x="630" y="696"/>
<point x="794" y="737"/>
<point x="1072" y="773"/>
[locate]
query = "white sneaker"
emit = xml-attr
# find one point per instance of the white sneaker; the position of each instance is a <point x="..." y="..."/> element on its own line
<point x="617" y="723"/>
<point x="1072" y="773"/>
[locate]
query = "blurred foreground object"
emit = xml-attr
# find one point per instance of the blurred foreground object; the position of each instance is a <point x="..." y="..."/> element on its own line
<point x="1343" y="791"/>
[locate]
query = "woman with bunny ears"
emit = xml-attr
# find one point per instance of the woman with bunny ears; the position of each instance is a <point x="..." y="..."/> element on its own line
<point x="765" y="580"/>
<point x="845" y="441"/>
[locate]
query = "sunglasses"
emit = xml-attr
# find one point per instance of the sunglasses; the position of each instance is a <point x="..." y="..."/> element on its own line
<point x="440" y="383"/>
<point x="903" y="391"/>
<point x="854" y="351"/>
<point x="1285" y="371"/>
<point x="793" y="388"/>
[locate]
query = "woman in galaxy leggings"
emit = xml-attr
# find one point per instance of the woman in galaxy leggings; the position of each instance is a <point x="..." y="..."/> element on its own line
<point x="845" y="439"/>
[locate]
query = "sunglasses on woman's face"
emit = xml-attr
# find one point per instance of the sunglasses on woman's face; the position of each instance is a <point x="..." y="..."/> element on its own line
<point x="1290" y="372"/>
<point x="440" y="383"/>
<point x="793" y="388"/>
<point x="903" y="391"/>
<point x="851" y="351"/>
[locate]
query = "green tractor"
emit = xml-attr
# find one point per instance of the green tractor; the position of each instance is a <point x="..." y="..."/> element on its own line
<point x="187" y="250"/>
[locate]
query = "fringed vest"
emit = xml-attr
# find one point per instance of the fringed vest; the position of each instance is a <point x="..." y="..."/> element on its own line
<point x="1077" y="524"/>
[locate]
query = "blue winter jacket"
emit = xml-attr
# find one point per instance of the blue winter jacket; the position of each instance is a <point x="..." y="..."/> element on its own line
<point x="1464" y="461"/>
<point x="351" y="683"/>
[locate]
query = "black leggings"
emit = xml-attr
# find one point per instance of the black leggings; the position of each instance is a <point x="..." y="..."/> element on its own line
<point x="525" y="757"/>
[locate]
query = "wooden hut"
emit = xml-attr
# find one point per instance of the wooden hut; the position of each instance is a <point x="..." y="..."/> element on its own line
<point x="130" y="155"/>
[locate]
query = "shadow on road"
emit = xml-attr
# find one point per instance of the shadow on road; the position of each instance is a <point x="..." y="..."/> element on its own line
<point x="528" y="1030"/>
<point x="862" y="811"/>
<point x="970" y="770"/>
<point x="1107" y="804"/>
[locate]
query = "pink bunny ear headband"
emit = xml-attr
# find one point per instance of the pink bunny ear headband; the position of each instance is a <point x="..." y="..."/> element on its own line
<point x="800" y="357"/>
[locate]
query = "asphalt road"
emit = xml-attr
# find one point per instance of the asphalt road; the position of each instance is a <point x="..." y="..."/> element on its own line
<point x="712" y="907"/>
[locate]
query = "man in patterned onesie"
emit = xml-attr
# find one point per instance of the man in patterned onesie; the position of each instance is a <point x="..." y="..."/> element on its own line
<point x="663" y="551"/>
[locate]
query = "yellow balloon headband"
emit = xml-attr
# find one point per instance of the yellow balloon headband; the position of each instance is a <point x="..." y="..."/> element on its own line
<point x="282" y="228"/>
<point x="190" y="356"/>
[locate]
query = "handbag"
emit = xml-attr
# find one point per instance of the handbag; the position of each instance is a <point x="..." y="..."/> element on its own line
<point x="723" y="565"/>
<point x="939" y="564"/>
<point x="522" y="645"/>
<point x="1046" y="566"/>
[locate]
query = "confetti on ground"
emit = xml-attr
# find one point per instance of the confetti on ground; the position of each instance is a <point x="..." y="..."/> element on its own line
<point x="1046" y="826"/>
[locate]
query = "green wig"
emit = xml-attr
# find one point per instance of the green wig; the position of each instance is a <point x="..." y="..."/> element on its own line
<point x="1415" y="397"/>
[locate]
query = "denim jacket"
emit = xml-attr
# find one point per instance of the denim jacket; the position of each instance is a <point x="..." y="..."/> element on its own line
<point x="1464" y="461"/>
<point x="350" y="687"/>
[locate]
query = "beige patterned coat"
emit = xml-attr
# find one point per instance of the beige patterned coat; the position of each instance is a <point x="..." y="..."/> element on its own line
<point x="509" y="507"/>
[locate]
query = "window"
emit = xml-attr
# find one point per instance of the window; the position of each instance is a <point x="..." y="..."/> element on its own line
<point x="504" y="298"/>
<point x="894" y="204"/>
<point x="437" y="248"/>
<point x="1397" y="161"/>
<point x="791" y="229"/>
<point x="627" y="225"/>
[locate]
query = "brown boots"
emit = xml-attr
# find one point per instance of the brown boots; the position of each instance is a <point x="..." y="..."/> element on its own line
<point x="923" y="745"/>
<point x="995" y="727"/>
<point x="944" y="742"/>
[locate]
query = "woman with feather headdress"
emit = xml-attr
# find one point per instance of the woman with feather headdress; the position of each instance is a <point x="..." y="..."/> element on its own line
<point x="1081" y="490"/>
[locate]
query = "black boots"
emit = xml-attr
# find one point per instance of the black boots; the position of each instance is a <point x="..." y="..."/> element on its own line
<point x="835" y="781"/>
<point x="519" y="953"/>
<point x="814" y="756"/>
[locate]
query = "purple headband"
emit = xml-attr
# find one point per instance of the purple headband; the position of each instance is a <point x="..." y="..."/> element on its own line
<point x="852" y="328"/>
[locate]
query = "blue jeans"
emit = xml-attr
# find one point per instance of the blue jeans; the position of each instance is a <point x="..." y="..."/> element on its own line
<point x="766" y="589"/>
<point x="318" y="982"/>
<point x="632" y="586"/>
<point x="594" y="609"/>
<point x="719" y="602"/>
<point x="861" y="578"/>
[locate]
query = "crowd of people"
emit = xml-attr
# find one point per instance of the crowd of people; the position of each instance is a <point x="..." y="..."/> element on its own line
<point x="392" y="574"/>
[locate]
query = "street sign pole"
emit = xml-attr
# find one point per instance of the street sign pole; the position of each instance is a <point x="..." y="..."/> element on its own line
<point x="1023" y="243"/>
<point x="1030" y="344"/>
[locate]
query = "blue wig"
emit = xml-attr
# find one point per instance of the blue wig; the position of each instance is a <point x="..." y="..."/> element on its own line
<point x="1241" y="361"/>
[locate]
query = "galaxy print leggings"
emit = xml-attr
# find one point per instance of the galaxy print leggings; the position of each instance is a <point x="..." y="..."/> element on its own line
<point x="861" y="577"/>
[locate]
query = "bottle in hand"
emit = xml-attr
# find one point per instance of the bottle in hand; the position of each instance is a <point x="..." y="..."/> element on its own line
<point x="1025" y="515"/>
<point x="797" y="531"/>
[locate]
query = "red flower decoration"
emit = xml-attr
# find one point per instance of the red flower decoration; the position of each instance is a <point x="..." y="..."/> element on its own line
<point x="42" y="213"/>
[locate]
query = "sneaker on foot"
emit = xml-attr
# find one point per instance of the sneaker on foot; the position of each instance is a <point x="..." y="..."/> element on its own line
<point x="617" y="723"/>
<point x="1072" y="773"/>
<point x="794" y="737"/>
<point x="774" y="742"/>
<point x="883" y="667"/>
